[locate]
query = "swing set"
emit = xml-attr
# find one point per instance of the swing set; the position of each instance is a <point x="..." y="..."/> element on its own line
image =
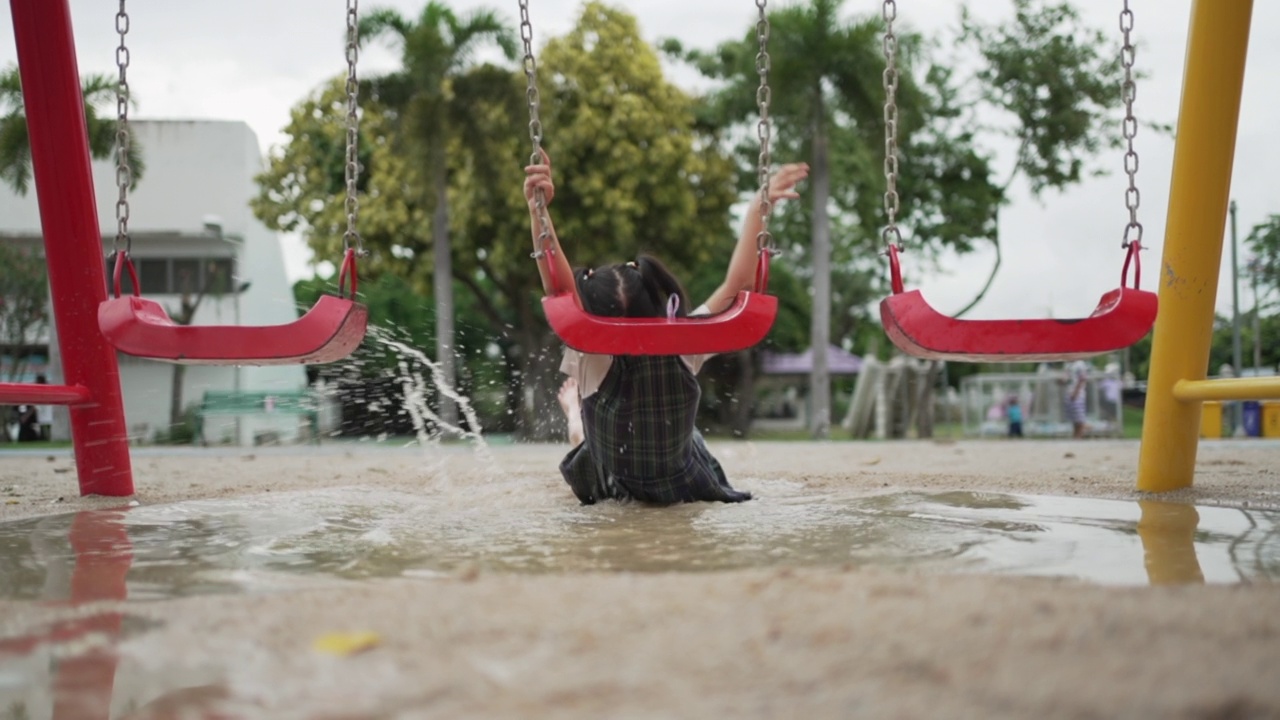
<point x="749" y="317"/>
<point x="92" y="327"/>
<point x="330" y="331"/>
<point x="1122" y="317"/>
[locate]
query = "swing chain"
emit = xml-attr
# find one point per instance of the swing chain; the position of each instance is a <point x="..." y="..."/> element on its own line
<point x="352" y="236"/>
<point x="764" y="96"/>
<point x="892" y="235"/>
<point x="535" y="130"/>
<point x="1129" y="92"/>
<point x="124" y="173"/>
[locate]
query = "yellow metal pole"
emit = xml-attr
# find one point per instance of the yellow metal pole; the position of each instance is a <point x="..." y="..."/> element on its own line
<point x="1216" y="48"/>
<point x="1261" y="388"/>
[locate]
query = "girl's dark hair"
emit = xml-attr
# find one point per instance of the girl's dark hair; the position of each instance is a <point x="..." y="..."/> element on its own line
<point x="637" y="289"/>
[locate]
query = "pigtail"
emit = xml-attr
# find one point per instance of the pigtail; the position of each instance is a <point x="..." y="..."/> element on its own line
<point x="640" y="288"/>
<point x="598" y="291"/>
<point x="660" y="285"/>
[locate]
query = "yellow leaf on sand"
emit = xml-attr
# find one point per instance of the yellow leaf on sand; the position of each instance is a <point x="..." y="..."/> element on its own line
<point x="344" y="644"/>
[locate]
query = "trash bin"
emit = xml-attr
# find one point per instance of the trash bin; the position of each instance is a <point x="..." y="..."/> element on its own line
<point x="1271" y="419"/>
<point x="1211" y="420"/>
<point x="1253" y="418"/>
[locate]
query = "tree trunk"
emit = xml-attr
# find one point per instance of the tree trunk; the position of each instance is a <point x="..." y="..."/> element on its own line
<point x="744" y="394"/>
<point x="175" y="396"/>
<point x="927" y="400"/>
<point x="543" y="419"/>
<point x="820" y="331"/>
<point x="443" y="282"/>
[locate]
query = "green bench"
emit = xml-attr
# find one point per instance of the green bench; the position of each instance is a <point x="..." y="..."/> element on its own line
<point x="259" y="402"/>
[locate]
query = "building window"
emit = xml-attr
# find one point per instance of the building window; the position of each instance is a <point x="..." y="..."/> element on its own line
<point x="154" y="275"/>
<point x="218" y="273"/>
<point x="174" y="276"/>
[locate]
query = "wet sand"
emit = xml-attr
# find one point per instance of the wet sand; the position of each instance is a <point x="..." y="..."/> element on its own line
<point x="782" y="642"/>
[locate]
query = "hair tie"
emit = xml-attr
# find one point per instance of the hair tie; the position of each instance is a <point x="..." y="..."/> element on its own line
<point x="673" y="306"/>
<point x="632" y="264"/>
<point x="588" y="273"/>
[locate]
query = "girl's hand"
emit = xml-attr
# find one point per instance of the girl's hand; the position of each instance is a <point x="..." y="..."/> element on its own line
<point x="783" y="183"/>
<point x="539" y="176"/>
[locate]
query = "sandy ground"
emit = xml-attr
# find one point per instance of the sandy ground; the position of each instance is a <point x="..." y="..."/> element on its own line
<point x="839" y="642"/>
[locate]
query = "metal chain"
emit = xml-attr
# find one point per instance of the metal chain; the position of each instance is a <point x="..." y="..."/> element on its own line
<point x="535" y="130"/>
<point x="764" y="239"/>
<point x="352" y="236"/>
<point x="124" y="173"/>
<point x="892" y="235"/>
<point x="1129" y="92"/>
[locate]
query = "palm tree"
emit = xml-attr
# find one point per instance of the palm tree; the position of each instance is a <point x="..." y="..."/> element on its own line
<point x="436" y="49"/>
<point x="826" y="66"/>
<point x="15" y="143"/>
<point x="826" y="75"/>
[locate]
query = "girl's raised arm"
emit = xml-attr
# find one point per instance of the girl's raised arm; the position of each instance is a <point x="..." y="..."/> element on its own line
<point x="742" y="265"/>
<point x="538" y="177"/>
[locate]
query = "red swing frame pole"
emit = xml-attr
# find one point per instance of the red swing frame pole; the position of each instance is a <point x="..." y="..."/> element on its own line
<point x="72" y="240"/>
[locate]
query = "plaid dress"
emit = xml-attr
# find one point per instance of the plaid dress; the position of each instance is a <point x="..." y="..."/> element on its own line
<point x="641" y="442"/>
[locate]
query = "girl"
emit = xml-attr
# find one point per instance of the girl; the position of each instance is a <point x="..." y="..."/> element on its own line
<point x="631" y="418"/>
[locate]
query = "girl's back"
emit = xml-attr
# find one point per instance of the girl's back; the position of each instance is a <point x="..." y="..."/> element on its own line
<point x="641" y="440"/>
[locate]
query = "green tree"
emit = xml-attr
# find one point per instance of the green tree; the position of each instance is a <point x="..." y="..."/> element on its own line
<point x="15" y="143"/>
<point x="436" y="48"/>
<point x="633" y="170"/>
<point x="1056" y="82"/>
<point x="827" y="80"/>
<point x="24" y="313"/>
<point x="1264" y="267"/>
<point x="24" y="304"/>
<point x="302" y="187"/>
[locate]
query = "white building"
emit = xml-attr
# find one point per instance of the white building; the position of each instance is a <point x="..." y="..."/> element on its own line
<point x="190" y="219"/>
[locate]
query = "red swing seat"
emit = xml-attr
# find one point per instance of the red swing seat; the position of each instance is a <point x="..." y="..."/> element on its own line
<point x="329" y="331"/>
<point x="744" y="324"/>
<point x="1122" y="317"/>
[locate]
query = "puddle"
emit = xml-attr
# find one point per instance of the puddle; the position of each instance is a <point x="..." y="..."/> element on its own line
<point x="91" y="567"/>
<point x="280" y="541"/>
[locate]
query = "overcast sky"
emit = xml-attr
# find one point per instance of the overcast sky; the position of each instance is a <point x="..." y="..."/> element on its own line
<point x="252" y="60"/>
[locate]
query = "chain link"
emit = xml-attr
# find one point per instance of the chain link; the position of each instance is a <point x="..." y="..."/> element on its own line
<point x="352" y="236"/>
<point x="124" y="173"/>
<point x="535" y="130"/>
<point x="764" y="131"/>
<point x="892" y="235"/>
<point x="1129" y="93"/>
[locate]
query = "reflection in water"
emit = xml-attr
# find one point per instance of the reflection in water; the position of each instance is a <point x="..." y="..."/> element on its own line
<point x="67" y="670"/>
<point x="280" y="541"/>
<point x="81" y="681"/>
<point x="1168" y="540"/>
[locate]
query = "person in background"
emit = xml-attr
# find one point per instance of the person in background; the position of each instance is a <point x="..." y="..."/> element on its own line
<point x="44" y="414"/>
<point x="1015" y="417"/>
<point x="28" y="425"/>
<point x="1077" y="381"/>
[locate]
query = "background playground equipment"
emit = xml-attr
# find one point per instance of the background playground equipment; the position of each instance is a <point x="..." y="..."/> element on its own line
<point x="889" y="399"/>
<point x="303" y="404"/>
<point x="985" y="397"/>
<point x="1270" y="411"/>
